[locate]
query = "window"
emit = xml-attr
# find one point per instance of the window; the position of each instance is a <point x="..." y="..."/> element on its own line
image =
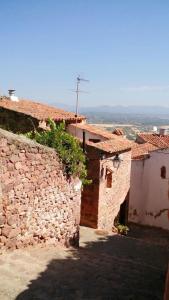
<point x="108" y="178"/>
<point x="94" y="140"/>
<point x="163" y="172"/>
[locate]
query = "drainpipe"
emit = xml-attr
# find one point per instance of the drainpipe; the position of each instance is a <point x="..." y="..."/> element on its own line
<point x="84" y="140"/>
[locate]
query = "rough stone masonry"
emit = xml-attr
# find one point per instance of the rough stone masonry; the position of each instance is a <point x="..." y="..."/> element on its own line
<point x="37" y="203"/>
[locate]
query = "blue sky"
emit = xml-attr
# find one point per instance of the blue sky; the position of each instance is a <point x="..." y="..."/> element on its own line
<point x="121" y="46"/>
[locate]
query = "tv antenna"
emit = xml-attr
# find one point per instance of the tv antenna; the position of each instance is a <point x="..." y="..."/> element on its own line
<point x="77" y="91"/>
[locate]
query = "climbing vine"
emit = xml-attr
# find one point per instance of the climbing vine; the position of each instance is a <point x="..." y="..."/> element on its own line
<point x="67" y="147"/>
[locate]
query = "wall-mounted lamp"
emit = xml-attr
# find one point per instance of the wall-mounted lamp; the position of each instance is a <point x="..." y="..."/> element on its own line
<point x="116" y="161"/>
<point x="102" y="156"/>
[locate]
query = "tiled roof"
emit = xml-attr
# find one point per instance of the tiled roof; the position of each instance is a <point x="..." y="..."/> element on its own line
<point x="38" y="111"/>
<point x="155" y="139"/>
<point x="139" y="151"/>
<point x="95" y="130"/>
<point x="113" y="145"/>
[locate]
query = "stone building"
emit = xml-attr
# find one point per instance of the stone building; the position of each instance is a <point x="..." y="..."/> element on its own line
<point x="109" y="168"/>
<point x="109" y="162"/>
<point x="37" y="203"/>
<point x="149" y="192"/>
<point x="25" y="115"/>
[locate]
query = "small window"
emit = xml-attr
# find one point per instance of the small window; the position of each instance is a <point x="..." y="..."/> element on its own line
<point x="108" y="179"/>
<point x="94" y="140"/>
<point x="163" y="172"/>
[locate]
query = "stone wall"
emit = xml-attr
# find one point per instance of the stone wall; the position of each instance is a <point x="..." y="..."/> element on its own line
<point x="17" y="122"/>
<point x="37" y="203"/>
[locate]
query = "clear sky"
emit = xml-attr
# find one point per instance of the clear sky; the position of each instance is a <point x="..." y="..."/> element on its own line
<point x="121" y="46"/>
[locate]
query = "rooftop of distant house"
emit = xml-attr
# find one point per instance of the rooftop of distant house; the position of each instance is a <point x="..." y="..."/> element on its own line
<point x="147" y="142"/>
<point x="140" y="151"/>
<point x="112" y="143"/>
<point x="155" y="139"/>
<point x="39" y="110"/>
<point x="112" y="146"/>
<point x="95" y="130"/>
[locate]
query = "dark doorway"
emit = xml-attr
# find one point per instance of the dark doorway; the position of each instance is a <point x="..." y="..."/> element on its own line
<point x="122" y="217"/>
<point x="123" y="213"/>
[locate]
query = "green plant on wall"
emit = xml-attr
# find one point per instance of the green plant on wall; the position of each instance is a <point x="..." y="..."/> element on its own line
<point x="122" y="229"/>
<point x="67" y="147"/>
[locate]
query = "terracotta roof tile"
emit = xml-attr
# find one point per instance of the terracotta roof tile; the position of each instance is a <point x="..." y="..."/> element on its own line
<point x="95" y="130"/>
<point x="38" y="111"/>
<point x="113" y="145"/>
<point x="155" y="139"/>
<point x="139" y="151"/>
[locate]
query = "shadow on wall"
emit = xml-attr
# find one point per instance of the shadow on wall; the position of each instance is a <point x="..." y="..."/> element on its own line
<point x="114" y="268"/>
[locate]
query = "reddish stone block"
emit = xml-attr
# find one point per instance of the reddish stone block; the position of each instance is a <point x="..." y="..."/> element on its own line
<point x="5" y="231"/>
<point x="14" y="233"/>
<point x="3" y="239"/>
<point x="18" y="165"/>
<point x="2" y="220"/>
<point x="11" y="244"/>
<point x="22" y="156"/>
<point x="14" y="158"/>
<point x="12" y="219"/>
<point x="3" y="143"/>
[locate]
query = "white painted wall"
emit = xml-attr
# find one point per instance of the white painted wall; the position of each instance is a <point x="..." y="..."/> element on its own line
<point x="78" y="132"/>
<point x="149" y="193"/>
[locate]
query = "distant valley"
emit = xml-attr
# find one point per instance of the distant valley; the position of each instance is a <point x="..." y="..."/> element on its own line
<point x="131" y="119"/>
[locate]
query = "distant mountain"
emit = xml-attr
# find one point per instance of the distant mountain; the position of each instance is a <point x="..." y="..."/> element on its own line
<point x="146" y="110"/>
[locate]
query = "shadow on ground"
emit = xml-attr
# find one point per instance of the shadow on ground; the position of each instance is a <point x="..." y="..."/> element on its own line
<point x="114" y="268"/>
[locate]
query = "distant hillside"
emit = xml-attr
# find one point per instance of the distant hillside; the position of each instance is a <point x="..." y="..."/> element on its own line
<point x="153" y="110"/>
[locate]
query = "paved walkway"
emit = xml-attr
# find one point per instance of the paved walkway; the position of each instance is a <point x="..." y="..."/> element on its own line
<point x="112" y="267"/>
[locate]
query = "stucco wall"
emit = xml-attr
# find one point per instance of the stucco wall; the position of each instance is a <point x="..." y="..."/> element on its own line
<point x="78" y="132"/>
<point x="149" y="193"/>
<point x="110" y="199"/>
<point x="37" y="203"/>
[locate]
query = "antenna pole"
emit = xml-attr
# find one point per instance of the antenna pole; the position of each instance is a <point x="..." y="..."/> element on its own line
<point x="77" y="96"/>
<point x="79" y="79"/>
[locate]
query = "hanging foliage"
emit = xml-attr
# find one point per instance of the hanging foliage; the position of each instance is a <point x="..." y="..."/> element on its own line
<point x="67" y="147"/>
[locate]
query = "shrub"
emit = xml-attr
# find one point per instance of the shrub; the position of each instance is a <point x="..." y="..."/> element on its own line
<point x="122" y="229"/>
<point x="67" y="147"/>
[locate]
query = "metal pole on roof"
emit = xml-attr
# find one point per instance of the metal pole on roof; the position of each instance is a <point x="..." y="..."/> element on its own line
<point x="79" y="79"/>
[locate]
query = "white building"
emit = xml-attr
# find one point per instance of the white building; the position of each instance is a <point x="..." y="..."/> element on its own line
<point x="149" y="186"/>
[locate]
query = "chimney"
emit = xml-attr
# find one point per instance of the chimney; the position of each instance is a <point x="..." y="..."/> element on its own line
<point x="162" y="131"/>
<point x="12" y="96"/>
<point x="155" y="129"/>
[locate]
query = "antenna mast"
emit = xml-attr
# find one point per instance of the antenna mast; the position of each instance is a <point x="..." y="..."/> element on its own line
<point x="79" y="79"/>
